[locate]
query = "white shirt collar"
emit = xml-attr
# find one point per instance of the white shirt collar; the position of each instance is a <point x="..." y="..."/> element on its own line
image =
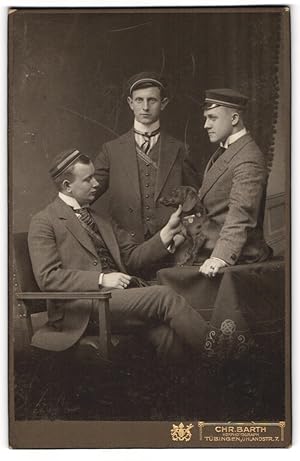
<point x="146" y="128"/>
<point x="71" y="201"/>
<point x="233" y="138"/>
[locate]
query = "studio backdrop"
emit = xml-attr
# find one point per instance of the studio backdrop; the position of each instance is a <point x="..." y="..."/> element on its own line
<point x="68" y="70"/>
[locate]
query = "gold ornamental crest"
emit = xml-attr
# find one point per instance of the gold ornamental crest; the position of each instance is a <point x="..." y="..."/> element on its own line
<point x="181" y="433"/>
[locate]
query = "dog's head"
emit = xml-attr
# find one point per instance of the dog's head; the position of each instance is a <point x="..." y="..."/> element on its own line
<point x="186" y="196"/>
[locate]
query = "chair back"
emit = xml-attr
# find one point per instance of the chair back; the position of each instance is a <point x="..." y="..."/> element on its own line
<point x="25" y="279"/>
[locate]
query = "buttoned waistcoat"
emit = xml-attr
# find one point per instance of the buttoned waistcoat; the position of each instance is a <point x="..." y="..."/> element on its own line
<point x="117" y="170"/>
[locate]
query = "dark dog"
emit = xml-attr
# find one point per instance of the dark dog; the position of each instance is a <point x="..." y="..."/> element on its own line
<point x="198" y="230"/>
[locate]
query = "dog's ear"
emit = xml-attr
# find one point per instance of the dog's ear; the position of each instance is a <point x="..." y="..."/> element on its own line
<point x="190" y="200"/>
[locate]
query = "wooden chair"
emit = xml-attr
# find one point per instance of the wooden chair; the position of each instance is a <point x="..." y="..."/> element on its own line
<point x="31" y="300"/>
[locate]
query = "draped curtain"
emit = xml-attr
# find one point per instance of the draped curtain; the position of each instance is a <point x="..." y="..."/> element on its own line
<point x="240" y="51"/>
<point x="68" y="68"/>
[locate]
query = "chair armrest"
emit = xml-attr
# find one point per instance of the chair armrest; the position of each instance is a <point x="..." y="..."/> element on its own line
<point x="100" y="300"/>
<point x="64" y="295"/>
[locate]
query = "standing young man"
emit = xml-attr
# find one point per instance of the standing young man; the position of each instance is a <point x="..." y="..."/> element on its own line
<point x="145" y="163"/>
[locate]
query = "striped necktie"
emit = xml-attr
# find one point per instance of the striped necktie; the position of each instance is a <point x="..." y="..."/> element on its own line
<point x="86" y="217"/>
<point x="88" y="223"/>
<point x="146" y="145"/>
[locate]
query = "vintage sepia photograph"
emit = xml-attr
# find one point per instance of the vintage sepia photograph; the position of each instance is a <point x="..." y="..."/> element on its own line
<point x="149" y="227"/>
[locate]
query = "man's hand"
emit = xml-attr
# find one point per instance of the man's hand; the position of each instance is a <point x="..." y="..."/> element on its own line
<point x="211" y="267"/>
<point x="173" y="227"/>
<point x="116" y="280"/>
<point x="178" y="239"/>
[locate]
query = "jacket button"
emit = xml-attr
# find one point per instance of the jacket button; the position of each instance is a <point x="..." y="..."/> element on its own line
<point x="147" y="195"/>
<point x="147" y="207"/>
<point x="130" y="210"/>
<point x="147" y="185"/>
<point x="147" y="219"/>
<point x="95" y="263"/>
<point x="147" y="174"/>
<point x="132" y="234"/>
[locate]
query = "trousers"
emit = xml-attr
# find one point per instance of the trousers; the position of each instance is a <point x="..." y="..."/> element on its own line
<point x="170" y="321"/>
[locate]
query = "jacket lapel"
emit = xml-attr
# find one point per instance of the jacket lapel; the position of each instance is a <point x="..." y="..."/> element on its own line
<point x="211" y="161"/>
<point x="129" y="162"/>
<point x="73" y="225"/>
<point x="108" y="235"/>
<point x="213" y="173"/>
<point x="167" y="157"/>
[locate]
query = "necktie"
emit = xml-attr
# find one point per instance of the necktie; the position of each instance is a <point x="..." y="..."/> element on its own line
<point x="216" y="155"/>
<point x="86" y="218"/>
<point x="146" y="145"/>
<point x="88" y="223"/>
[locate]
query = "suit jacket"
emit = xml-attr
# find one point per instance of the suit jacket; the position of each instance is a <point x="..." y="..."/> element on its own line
<point x="117" y="170"/>
<point x="65" y="259"/>
<point x="233" y="194"/>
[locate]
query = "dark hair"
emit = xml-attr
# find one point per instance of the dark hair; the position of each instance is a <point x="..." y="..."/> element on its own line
<point x="163" y="92"/>
<point x="68" y="173"/>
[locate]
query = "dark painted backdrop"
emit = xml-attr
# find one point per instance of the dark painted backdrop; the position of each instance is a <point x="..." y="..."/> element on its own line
<point x="68" y="68"/>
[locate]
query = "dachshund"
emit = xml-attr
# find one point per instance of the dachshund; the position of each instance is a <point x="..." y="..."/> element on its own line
<point x="197" y="229"/>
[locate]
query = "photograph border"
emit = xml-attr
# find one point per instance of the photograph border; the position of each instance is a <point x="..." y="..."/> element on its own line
<point x="154" y="434"/>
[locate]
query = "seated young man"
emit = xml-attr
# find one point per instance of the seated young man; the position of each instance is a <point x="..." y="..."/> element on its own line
<point x="74" y="249"/>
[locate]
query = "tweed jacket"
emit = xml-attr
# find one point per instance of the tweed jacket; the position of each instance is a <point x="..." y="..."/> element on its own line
<point x="64" y="259"/>
<point x="117" y="170"/>
<point x="233" y="194"/>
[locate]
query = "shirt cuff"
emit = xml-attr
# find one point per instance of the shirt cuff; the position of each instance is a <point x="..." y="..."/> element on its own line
<point x="171" y="247"/>
<point x="101" y="279"/>
<point x="219" y="259"/>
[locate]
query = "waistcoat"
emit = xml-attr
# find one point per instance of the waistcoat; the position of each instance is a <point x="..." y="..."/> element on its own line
<point x="147" y="180"/>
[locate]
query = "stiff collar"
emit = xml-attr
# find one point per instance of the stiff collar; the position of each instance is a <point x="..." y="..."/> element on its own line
<point x="70" y="201"/>
<point x="146" y="128"/>
<point x="233" y="138"/>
